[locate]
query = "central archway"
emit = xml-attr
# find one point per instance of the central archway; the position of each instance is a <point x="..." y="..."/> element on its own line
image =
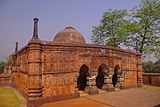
<point x="82" y="79"/>
<point x="100" y="77"/>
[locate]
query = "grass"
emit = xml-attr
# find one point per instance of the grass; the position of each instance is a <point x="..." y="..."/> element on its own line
<point x="151" y="88"/>
<point x="8" y="98"/>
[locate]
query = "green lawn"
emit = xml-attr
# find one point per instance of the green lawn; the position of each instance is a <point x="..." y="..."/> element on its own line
<point x="8" y="98"/>
<point x="151" y="88"/>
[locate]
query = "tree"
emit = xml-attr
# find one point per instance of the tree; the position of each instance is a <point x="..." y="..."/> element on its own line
<point x="157" y="66"/>
<point x="148" y="67"/>
<point x="110" y="31"/>
<point x="2" y="66"/>
<point x="140" y="30"/>
<point x="9" y="59"/>
<point x="144" y="27"/>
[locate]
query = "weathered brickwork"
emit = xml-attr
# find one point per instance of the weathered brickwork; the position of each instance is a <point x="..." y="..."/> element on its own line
<point x="58" y="85"/>
<point x="55" y="70"/>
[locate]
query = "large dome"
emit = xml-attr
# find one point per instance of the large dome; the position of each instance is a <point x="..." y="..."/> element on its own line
<point x="69" y="35"/>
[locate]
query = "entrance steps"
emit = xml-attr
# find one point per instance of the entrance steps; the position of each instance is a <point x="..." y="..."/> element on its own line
<point x="82" y="94"/>
<point x="117" y="89"/>
<point x="101" y="91"/>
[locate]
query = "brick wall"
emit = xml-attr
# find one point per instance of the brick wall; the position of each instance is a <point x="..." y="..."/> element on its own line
<point x="5" y="80"/>
<point x="151" y="79"/>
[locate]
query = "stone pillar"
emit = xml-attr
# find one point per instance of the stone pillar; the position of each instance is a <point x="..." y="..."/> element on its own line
<point x="91" y="87"/>
<point x="108" y="81"/>
<point x="139" y="70"/>
<point x="120" y="81"/>
<point x="105" y="86"/>
<point x="108" y="84"/>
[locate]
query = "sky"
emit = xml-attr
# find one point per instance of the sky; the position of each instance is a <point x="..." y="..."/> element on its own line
<point x="16" y="19"/>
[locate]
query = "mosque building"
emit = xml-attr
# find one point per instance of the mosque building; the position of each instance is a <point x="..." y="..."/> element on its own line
<point x="45" y="71"/>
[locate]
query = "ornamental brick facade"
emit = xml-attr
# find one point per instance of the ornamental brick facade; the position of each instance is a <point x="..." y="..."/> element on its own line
<point x="45" y="71"/>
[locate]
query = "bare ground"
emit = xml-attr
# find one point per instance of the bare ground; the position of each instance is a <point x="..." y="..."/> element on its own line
<point x="136" y="97"/>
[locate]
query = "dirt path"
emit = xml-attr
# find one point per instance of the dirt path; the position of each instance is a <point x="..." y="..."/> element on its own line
<point x="137" y="97"/>
<point x="129" y="98"/>
<point x="79" y="102"/>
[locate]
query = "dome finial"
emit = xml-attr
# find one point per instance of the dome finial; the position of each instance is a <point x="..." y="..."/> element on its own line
<point x="69" y="27"/>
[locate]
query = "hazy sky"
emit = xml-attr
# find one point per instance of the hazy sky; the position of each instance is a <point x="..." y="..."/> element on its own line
<point x="16" y="18"/>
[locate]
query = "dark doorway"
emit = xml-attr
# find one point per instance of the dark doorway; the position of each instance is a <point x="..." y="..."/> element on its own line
<point x="100" y="77"/>
<point x="82" y="79"/>
<point x="114" y="79"/>
<point x="115" y="75"/>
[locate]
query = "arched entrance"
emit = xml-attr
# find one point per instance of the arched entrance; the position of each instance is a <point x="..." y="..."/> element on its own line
<point x="115" y="75"/>
<point x="82" y="79"/>
<point x="100" y="77"/>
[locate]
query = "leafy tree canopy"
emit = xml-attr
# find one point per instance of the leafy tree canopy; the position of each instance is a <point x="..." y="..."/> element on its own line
<point x="150" y="67"/>
<point x="2" y="63"/>
<point x="110" y="30"/>
<point x="144" y="27"/>
<point x="139" y="30"/>
<point x="9" y="59"/>
<point x="2" y="66"/>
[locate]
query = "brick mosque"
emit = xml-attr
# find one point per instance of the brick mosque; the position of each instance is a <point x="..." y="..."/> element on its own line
<point x="45" y="71"/>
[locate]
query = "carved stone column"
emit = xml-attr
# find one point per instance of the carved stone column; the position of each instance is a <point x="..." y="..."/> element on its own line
<point x="105" y="87"/>
<point x="120" y="81"/>
<point x="108" y="81"/>
<point x="91" y="87"/>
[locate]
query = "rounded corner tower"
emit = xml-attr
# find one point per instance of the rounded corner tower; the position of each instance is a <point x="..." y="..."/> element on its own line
<point x="69" y="35"/>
